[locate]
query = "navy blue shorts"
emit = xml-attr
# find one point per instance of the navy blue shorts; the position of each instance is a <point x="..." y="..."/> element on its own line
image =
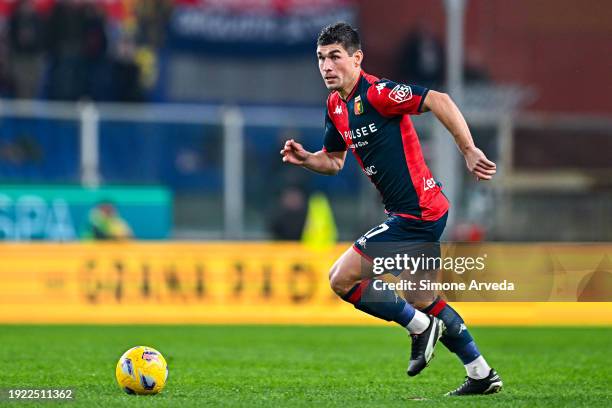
<point x="402" y="235"/>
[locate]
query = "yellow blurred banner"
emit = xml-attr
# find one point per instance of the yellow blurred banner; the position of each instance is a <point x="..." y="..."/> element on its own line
<point x="183" y="282"/>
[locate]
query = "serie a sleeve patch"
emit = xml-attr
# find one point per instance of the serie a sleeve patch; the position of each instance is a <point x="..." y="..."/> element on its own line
<point x="400" y="93"/>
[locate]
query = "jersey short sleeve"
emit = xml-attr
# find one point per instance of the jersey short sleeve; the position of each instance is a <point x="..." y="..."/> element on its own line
<point x="392" y="99"/>
<point x="333" y="141"/>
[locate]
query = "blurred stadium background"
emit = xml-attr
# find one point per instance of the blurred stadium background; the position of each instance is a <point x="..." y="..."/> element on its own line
<point x="162" y="120"/>
<point x="202" y="93"/>
<point x="140" y="182"/>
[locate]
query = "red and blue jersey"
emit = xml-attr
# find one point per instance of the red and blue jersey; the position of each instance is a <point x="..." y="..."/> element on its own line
<point x="374" y="124"/>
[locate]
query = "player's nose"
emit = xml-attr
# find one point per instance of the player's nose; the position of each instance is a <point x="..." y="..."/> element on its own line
<point x="327" y="65"/>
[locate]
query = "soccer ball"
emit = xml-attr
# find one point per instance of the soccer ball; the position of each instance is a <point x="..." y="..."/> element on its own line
<point x="142" y="370"/>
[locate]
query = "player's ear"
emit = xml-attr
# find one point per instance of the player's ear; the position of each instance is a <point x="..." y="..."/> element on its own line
<point x="358" y="55"/>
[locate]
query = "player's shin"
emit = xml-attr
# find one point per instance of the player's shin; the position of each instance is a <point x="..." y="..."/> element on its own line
<point x="458" y="339"/>
<point x="385" y="304"/>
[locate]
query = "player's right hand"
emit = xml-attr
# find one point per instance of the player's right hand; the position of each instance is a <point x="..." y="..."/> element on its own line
<point x="294" y="153"/>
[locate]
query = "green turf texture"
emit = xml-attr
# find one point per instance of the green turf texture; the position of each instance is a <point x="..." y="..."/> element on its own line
<point x="277" y="366"/>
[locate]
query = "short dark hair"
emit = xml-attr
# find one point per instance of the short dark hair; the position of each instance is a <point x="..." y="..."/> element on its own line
<point x="340" y="33"/>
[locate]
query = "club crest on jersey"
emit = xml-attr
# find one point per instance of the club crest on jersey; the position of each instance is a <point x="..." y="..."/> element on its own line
<point x="401" y="93"/>
<point x="358" y="105"/>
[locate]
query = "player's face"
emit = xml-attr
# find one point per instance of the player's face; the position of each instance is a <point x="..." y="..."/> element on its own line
<point x="337" y="67"/>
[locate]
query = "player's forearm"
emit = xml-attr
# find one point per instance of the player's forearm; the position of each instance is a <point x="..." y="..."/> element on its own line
<point x="321" y="162"/>
<point x="449" y="115"/>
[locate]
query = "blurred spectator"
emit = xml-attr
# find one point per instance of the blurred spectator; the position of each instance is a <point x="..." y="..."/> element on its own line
<point x="152" y="18"/>
<point x="77" y="45"/>
<point x="125" y="72"/>
<point x="25" y="35"/>
<point x="21" y="150"/>
<point x="421" y="58"/>
<point x="287" y="220"/>
<point x="94" y="42"/>
<point x="65" y="80"/>
<point x="94" y="45"/>
<point x="73" y="49"/>
<point x="320" y="231"/>
<point x="7" y="83"/>
<point x="65" y="31"/>
<point x="104" y="223"/>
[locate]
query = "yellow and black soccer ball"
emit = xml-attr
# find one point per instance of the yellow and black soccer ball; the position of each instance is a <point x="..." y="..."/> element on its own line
<point x="142" y="370"/>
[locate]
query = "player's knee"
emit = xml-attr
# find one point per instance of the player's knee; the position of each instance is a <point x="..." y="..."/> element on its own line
<point x="338" y="281"/>
<point x="335" y="282"/>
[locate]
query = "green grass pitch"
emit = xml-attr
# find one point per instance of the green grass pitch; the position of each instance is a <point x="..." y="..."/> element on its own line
<point x="277" y="366"/>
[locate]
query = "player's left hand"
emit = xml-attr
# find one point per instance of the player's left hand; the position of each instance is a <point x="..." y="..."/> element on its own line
<point x="478" y="164"/>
